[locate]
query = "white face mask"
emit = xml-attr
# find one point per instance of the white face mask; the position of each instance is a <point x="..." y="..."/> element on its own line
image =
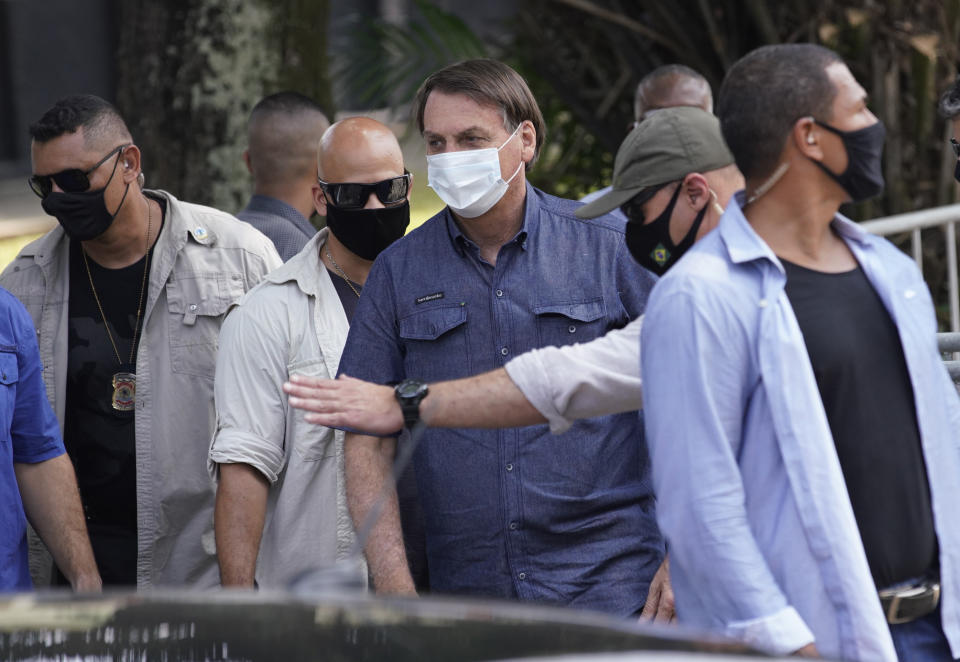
<point x="470" y="181"/>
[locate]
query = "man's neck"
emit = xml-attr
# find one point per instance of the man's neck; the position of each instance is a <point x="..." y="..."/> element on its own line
<point x="795" y="221"/>
<point x="297" y="194"/>
<point x="126" y="240"/>
<point x="351" y="266"/>
<point x="491" y="231"/>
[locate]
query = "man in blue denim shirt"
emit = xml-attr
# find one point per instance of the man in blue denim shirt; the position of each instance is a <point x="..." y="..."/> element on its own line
<point x="514" y="513"/>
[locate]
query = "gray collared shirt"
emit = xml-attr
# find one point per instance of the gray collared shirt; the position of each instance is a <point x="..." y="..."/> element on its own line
<point x="292" y="323"/>
<point x="284" y="226"/>
<point x="203" y="261"/>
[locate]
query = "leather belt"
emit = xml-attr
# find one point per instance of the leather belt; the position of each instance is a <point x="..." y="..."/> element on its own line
<point x="902" y="605"/>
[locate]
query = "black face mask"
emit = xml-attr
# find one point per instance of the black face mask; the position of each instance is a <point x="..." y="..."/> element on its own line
<point x="863" y="178"/>
<point x="366" y="232"/>
<point x="650" y="243"/>
<point x="83" y="216"/>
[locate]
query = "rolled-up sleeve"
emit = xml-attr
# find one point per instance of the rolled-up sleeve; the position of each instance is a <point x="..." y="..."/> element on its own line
<point x="584" y="380"/>
<point x="695" y="364"/>
<point x="248" y="390"/>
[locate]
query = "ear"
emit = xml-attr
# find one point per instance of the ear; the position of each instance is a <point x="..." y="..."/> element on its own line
<point x="246" y="159"/>
<point x="696" y="190"/>
<point x="528" y="138"/>
<point x="130" y="164"/>
<point x="806" y="138"/>
<point x="319" y="199"/>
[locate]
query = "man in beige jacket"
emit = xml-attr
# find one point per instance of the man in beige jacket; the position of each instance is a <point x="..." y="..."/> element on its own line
<point x="127" y="296"/>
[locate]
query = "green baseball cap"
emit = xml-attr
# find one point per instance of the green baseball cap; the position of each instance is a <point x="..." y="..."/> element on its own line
<point x="665" y="147"/>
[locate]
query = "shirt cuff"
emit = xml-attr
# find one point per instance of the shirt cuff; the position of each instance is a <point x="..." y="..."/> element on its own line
<point x="781" y="633"/>
<point x="232" y="446"/>
<point x="527" y="372"/>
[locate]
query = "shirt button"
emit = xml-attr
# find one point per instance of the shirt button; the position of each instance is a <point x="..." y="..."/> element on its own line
<point x="499" y="293"/>
<point x="522" y="576"/>
<point x="504" y="351"/>
<point x="509" y="467"/>
<point x="572" y="329"/>
<point x="193" y="306"/>
<point x="762" y="303"/>
<point x="513" y="526"/>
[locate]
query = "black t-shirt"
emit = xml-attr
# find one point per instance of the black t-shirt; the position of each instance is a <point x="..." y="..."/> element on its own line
<point x="100" y="439"/>
<point x="348" y="298"/>
<point x="862" y="377"/>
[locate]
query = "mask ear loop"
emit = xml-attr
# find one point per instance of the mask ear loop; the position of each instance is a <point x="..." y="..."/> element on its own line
<point x="517" y="171"/>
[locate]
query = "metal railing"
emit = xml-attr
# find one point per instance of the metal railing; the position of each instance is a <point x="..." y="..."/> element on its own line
<point x="950" y="342"/>
<point x="914" y="222"/>
<point x="945" y="217"/>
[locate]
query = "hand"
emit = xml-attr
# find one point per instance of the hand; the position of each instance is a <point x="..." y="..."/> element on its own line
<point x="660" y="607"/>
<point x="810" y="650"/>
<point x="346" y="403"/>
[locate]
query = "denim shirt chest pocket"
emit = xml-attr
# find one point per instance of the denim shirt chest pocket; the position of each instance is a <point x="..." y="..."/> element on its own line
<point x="196" y="303"/>
<point x="311" y="442"/>
<point x="434" y="337"/>
<point x="9" y="376"/>
<point x="570" y="322"/>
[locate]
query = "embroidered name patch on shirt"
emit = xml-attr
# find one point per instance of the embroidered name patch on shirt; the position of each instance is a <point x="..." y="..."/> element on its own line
<point x="430" y="297"/>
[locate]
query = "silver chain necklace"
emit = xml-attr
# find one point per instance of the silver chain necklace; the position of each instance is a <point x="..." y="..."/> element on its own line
<point x="340" y="271"/>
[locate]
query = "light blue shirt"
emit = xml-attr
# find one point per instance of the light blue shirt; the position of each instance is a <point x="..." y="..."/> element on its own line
<point x="763" y="541"/>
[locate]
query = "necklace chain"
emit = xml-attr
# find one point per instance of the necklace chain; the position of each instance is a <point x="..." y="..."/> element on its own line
<point x="340" y="271"/>
<point x="143" y="284"/>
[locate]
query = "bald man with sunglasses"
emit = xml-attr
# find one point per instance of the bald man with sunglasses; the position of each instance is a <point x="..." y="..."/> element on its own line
<point x="127" y="295"/>
<point x="281" y="506"/>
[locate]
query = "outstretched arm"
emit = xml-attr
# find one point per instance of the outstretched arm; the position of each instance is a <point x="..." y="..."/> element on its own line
<point x="555" y="385"/>
<point x="51" y="501"/>
<point x="489" y="400"/>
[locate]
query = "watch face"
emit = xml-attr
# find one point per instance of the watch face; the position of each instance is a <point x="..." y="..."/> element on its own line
<point x="410" y="389"/>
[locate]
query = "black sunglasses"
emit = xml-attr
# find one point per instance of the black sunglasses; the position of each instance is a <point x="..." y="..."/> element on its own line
<point x="633" y="208"/>
<point x="354" y="196"/>
<point x="956" y="147"/>
<point x="73" y="180"/>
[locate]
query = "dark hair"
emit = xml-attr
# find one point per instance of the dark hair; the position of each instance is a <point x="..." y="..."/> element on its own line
<point x="656" y="89"/>
<point x="97" y="117"/>
<point x="765" y="93"/>
<point x="285" y="102"/>
<point x="488" y="82"/>
<point x="950" y="101"/>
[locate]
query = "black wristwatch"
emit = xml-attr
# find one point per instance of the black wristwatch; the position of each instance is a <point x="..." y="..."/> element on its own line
<point x="410" y="393"/>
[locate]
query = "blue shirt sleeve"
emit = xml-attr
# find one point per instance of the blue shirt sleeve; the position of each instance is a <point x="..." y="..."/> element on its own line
<point x="34" y="430"/>
<point x="373" y="351"/>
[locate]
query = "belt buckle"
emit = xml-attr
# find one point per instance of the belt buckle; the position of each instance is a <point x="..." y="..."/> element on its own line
<point x="896" y="597"/>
